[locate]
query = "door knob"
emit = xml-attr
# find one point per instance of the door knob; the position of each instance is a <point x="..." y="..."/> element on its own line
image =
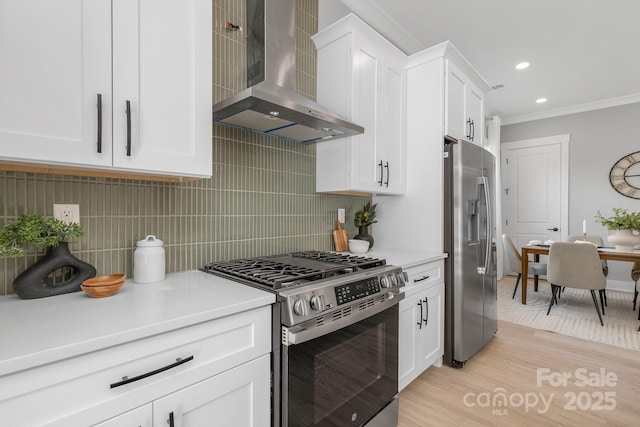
<point x="553" y="229"/>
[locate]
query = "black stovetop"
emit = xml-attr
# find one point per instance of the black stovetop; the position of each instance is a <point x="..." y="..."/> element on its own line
<point x="294" y="269"/>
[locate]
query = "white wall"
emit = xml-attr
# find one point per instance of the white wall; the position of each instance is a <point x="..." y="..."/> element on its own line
<point x="599" y="138"/>
<point x="329" y="11"/>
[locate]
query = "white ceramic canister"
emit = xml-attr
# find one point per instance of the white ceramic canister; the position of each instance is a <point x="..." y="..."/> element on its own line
<point x="148" y="260"/>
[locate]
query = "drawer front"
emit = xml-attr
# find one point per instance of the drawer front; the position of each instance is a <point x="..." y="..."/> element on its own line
<point x="89" y="388"/>
<point x="424" y="276"/>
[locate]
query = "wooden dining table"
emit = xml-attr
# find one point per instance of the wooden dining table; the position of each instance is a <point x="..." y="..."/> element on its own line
<point x="609" y="254"/>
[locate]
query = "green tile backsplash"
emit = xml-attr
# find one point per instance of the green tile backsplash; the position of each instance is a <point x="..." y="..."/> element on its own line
<point x="260" y="200"/>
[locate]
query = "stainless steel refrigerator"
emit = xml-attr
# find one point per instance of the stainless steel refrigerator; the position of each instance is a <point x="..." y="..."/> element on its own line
<point x="470" y="242"/>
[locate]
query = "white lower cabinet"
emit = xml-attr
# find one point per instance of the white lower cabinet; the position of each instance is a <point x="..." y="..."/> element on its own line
<point x="238" y="397"/>
<point x="214" y="373"/>
<point x="421" y="334"/>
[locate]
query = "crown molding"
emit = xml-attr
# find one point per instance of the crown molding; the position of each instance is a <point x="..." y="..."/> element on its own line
<point x="580" y="108"/>
<point x="371" y="13"/>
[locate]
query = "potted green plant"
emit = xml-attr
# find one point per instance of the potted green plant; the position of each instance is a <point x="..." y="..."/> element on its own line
<point x="621" y="227"/>
<point x="363" y="219"/>
<point x="50" y="233"/>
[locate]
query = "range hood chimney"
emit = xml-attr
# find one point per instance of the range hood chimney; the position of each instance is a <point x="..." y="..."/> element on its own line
<point x="270" y="104"/>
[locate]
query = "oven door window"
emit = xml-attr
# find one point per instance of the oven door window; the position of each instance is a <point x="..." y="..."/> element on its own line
<point x="345" y="377"/>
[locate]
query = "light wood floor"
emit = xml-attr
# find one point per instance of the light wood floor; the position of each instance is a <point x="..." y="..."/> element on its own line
<point x="509" y="366"/>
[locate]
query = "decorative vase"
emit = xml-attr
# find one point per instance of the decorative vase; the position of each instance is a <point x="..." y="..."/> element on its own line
<point x="34" y="282"/>
<point x="363" y="234"/>
<point x="623" y="240"/>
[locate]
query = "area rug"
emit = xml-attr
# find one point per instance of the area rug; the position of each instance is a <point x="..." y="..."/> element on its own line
<point x="574" y="315"/>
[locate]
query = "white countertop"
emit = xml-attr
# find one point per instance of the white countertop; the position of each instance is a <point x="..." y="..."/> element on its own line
<point x="39" y="331"/>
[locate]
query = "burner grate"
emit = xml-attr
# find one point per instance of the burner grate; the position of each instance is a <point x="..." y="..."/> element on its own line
<point x="272" y="274"/>
<point x="298" y="268"/>
<point x="359" y="262"/>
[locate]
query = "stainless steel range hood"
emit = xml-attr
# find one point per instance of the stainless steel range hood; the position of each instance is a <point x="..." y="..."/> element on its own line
<point x="270" y="104"/>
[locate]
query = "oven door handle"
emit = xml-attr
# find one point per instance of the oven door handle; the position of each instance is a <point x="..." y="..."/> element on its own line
<point x="299" y="334"/>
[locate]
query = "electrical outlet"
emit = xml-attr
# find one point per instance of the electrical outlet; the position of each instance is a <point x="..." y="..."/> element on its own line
<point x="341" y="215"/>
<point x="67" y="213"/>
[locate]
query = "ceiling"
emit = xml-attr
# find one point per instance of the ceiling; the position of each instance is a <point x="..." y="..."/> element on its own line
<point x="584" y="54"/>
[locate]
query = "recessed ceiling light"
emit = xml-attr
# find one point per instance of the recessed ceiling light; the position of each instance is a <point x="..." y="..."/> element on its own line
<point x="522" y="66"/>
<point x="541" y="100"/>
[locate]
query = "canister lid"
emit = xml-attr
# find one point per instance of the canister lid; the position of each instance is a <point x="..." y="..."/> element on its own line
<point x="149" y="241"/>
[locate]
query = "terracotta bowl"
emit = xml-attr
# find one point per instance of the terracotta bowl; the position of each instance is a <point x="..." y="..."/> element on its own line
<point x="103" y="286"/>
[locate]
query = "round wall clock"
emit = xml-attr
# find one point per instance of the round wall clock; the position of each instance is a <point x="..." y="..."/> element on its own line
<point x="625" y="175"/>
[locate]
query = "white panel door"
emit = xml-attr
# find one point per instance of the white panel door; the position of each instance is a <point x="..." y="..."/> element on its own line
<point x="409" y="340"/>
<point x="393" y="133"/>
<point x="535" y="190"/>
<point x="475" y="114"/>
<point x="368" y="83"/>
<point x="456" y="118"/>
<point x="432" y="339"/>
<point x="162" y="60"/>
<point x="239" y="397"/>
<point x="55" y="58"/>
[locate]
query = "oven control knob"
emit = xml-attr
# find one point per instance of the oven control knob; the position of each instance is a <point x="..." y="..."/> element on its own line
<point x="384" y="282"/>
<point x="317" y="302"/>
<point x="300" y="307"/>
<point x="400" y="278"/>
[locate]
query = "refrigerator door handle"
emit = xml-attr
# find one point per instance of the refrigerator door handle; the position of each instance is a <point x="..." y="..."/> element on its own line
<point x="482" y="180"/>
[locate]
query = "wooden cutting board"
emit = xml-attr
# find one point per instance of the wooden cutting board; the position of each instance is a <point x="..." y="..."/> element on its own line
<point x="340" y="238"/>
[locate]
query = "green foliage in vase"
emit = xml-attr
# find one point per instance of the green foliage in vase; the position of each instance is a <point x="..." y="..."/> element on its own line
<point x="366" y="216"/>
<point x="621" y="220"/>
<point x="35" y="230"/>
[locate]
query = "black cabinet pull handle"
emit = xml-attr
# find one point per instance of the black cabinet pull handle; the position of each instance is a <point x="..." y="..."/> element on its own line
<point x="171" y="424"/>
<point x="420" y="279"/>
<point x="553" y="229"/>
<point x="469" y="128"/>
<point x="473" y="130"/>
<point x="380" y="164"/>
<point x="99" y="123"/>
<point x="426" y="303"/>
<point x="387" y="167"/>
<point x="128" y="128"/>
<point x="420" y="322"/>
<point x="126" y="380"/>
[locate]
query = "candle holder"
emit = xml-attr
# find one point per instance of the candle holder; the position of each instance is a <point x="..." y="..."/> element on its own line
<point x="584" y="236"/>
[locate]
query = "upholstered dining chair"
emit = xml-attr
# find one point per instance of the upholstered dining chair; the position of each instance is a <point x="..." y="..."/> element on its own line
<point x="515" y="263"/>
<point x="576" y="266"/>
<point x="596" y="240"/>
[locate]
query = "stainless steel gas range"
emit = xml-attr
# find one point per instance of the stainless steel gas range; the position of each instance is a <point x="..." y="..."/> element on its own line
<point x="335" y="335"/>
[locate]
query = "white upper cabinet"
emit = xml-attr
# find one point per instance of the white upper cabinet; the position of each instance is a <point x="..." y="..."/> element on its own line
<point x="441" y="95"/>
<point x="465" y="106"/>
<point x="55" y="59"/>
<point x="69" y="71"/>
<point x="361" y="77"/>
<point x="162" y="68"/>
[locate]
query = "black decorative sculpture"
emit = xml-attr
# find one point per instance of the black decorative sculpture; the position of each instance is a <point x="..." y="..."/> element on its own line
<point x="34" y="282"/>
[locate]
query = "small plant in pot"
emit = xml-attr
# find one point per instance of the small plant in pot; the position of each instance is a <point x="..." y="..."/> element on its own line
<point x="621" y="228"/>
<point x="50" y="233"/>
<point x="363" y="219"/>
